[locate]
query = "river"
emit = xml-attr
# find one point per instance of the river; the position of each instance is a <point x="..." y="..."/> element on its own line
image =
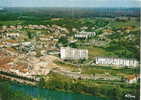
<point x="46" y="94"/>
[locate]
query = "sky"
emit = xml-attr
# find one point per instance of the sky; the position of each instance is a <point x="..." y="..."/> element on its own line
<point x="70" y="3"/>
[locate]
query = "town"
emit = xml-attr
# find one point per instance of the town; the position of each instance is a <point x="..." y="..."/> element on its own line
<point x="96" y="51"/>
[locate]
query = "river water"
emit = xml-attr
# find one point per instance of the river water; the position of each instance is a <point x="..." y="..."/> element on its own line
<point x="46" y="94"/>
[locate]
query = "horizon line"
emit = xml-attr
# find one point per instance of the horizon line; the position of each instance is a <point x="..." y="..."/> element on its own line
<point x="65" y="7"/>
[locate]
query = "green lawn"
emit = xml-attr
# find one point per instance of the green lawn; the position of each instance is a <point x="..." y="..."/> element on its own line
<point x="11" y="22"/>
<point x="117" y="24"/>
<point x="95" y="51"/>
<point x="122" y="72"/>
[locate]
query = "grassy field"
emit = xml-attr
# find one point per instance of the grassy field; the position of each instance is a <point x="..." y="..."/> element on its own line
<point x="11" y="22"/>
<point x="121" y="72"/>
<point x="95" y="51"/>
<point x="90" y="70"/>
<point x="118" y="24"/>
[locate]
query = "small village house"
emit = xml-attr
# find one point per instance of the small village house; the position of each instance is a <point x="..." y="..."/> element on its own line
<point x="132" y="79"/>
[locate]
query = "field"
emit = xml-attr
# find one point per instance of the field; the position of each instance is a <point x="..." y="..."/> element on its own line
<point x="95" y="51"/>
<point x="15" y="22"/>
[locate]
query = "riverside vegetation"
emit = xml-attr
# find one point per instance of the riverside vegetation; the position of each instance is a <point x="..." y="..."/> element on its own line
<point x="6" y="93"/>
<point x="103" y="89"/>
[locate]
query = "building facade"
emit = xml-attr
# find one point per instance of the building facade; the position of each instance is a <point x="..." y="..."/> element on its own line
<point x="84" y="35"/>
<point x="68" y="53"/>
<point x="116" y="62"/>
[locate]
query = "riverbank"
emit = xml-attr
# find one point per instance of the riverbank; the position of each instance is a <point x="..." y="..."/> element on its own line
<point x="105" y="89"/>
<point x="7" y="93"/>
<point x="18" y="80"/>
<point x="66" y="84"/>
<point x="17" y="83"/>
<point x="47" y="94"/>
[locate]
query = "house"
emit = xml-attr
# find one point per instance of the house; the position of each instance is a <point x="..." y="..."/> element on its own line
<point x="27" y="46"/>
<point x="132" y="79"/>
<point x="11" y="43"/>
<point x="68" y="53"/>
<point x="26" y="43"/>
<point x="116" y="62"/>
<point x="19" y="26"/>
<point x="4" y="27"/>
<point x="12" y="35"/>
<point x="84" y="28"/>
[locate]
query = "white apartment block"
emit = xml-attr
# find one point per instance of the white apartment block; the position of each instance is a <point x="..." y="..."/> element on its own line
<point x="68" y="53"/>
<point x="85" y="35"/>
<point x="117" y="62"/>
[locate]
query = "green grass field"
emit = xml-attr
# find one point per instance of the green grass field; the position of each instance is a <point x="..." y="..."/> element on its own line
<point x="122" y="72"/>
<point x="95" y="51"/>
<point x="11" y="22"/>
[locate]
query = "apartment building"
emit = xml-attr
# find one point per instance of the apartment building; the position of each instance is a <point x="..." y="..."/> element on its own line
<point x="84" y="35"/>
<point x="116" y="61"/>
<point x="68" y="53"/>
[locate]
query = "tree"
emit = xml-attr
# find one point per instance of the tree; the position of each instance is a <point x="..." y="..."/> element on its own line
<point x="63" y="41"/>
<point x="73" y="45"/>
<point x="31" y="35"/>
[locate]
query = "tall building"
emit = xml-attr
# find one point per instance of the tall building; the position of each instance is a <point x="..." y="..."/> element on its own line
<point x="68" y="53"/>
